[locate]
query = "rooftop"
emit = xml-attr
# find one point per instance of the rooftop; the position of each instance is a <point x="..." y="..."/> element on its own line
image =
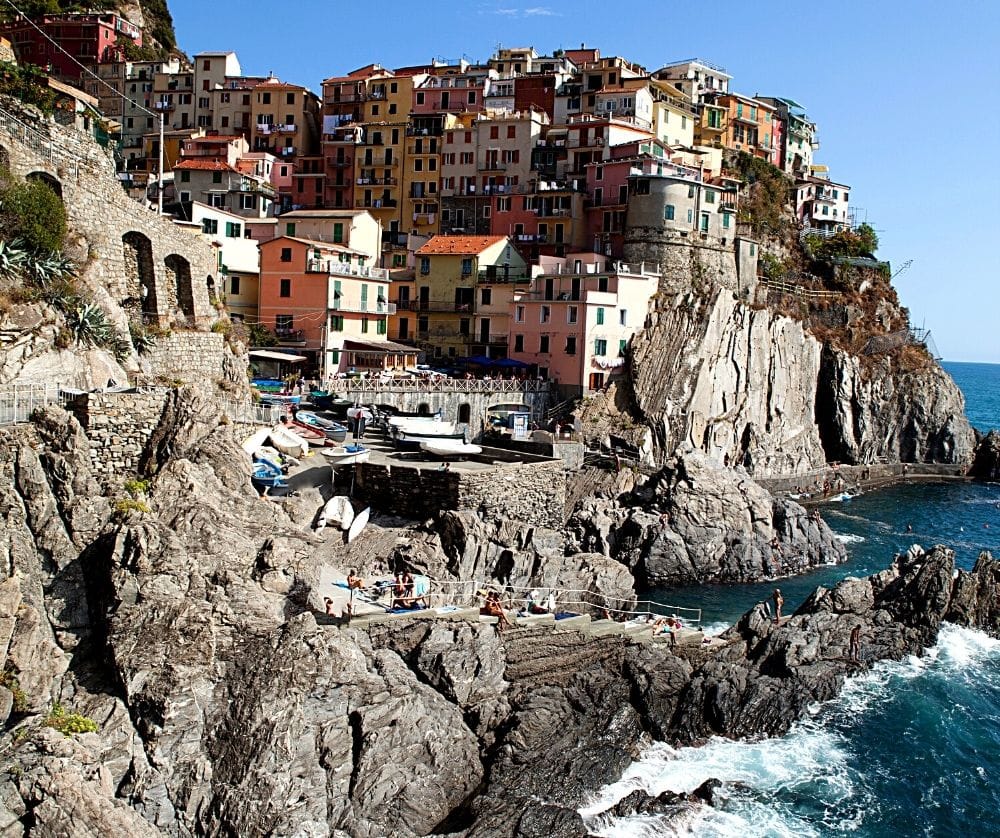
<point x="459" y="245"/>
<point x="205" y="166"/>
<point x="328" y="246"/>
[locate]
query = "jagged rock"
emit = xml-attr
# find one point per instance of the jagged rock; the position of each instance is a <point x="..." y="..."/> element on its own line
<point x="706" y="524"/>
<point x="986" y="461"/>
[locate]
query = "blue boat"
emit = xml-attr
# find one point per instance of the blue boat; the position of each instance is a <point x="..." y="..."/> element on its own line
<point x="268" y="479"/>
<point x="334" y="430"/>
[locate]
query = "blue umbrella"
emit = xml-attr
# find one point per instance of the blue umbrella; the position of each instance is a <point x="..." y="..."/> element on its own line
<point x="509" y="363"/>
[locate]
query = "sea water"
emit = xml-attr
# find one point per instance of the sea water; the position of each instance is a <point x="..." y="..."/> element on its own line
<point x="909" y="748"/>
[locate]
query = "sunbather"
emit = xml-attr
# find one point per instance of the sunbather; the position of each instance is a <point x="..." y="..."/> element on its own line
<point x="492" y="607"/>
<point x="354" y="581"/>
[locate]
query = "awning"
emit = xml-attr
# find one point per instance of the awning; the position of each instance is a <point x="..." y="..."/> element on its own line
<point x="386" y="347"/>
<point x="276" y="356"/>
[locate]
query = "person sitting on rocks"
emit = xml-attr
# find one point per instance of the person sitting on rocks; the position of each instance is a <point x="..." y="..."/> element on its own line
<point x="402" y="591"/>
<point x="492" y="607"/>
<point x="354" y="581"/>
<point x="328" y="604"/>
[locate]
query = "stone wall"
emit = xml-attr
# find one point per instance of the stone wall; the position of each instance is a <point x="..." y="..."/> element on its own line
<point x="687" y="259"/>
<point x="118" y="426"/>
<point x="569" y="452"/>
<point x="125" y="249"/>
<point x="188" y="357"/>
<point x="531" y="492"/>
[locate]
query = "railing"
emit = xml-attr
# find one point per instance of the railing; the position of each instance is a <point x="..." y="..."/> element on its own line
<point x="432" y="305"/>
<point x="438" y="385"/>
<point x="337" y="268"/>
<point x="354" y="307"/>
<point x="782" y="287"/>
<point x="338" y="162"/>
<point x="470" y="593"/>
<point x="376" y="181"/>
<point x="375" y="203"/>
<point x="501" y="277"/>
<point x="20" y="399"/>
<point x="252" y="413"/>
<point x="29" y="136"/>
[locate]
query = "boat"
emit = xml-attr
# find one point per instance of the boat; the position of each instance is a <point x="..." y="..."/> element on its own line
<point x="409" y="433"/>
<point x="333" y="430"/>
<point x="314" y="436"/>
<point x="338" y="511"/>
<point x="255" y="441"/>
<point x="330" y="402"/>
<point x="444" y="447"/>
<point x="268" y="479"/>
<point x="360" y="520"/>
<point x="288" y="442"/>
<point x="266" y="452"/>
<point x="346" y="455"/>
<point x="279" y="399"/>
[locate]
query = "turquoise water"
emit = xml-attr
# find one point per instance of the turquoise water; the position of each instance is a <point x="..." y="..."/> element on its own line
<point x="910" y="748"/>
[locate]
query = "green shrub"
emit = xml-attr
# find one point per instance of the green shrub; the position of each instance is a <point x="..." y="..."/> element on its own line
<point x="27" y="83"/>
<point x="32" y="211"/>
<point x="142" y="338"/>
<point x="137" y="487"/>
<point x="9" y="680"/>
<point x="68" y="723"/>
<point x="261" y="336"/>
<point x="222" y="327"/>
<point x="126" y="506"/>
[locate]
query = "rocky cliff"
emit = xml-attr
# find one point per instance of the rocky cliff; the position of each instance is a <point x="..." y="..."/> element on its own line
<point x="754" y="386"/>
<point x="213" y="698"/>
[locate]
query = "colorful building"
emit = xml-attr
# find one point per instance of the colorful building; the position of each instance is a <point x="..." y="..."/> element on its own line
<point x="821" y="204"/>
<point x="575" y="320"/>
<point x="750" y="126"/>
<point x="324" y="299"/>
<point x="449" y="270"/>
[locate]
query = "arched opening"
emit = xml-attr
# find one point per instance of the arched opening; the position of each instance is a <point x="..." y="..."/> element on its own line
<point x="423" y="409"/>
<point x="140" y="278"/>
<point x="179" y="281"/>
<point x="213" y="297"/>
<point x="464" y="413"/>
<point x="48" y="180"/>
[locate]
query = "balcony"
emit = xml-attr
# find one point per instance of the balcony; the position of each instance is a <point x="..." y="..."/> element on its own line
<point x="375" y="203"/>
<point x="259" y="188"/>
<point x="432" y="305"/>
<point x="356" y="307"/>
<point x="424" y="217"/>
<point x="746" y="119"/>
<point x="492" y="165"/>
<point x="378" y="162"/>
<point x="495" y="275"/>
<point x="288" y="337"/>
<point x="376" y="181"/>
<point x="339" y="162"/>
<point x="334" y="267"/>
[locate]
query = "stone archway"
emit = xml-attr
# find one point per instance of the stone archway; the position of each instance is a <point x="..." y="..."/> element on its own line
<point x="49" y="180"/>
<point x="423" y="409"/>
<point x="179" y="280"/>
<point x="140" y="276"/>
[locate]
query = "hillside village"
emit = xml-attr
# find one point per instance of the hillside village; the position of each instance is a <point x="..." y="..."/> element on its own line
<point x="519" y="210"/>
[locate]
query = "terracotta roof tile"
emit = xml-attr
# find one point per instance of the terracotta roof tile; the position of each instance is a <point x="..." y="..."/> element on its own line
<point x="458" y="245"/>
<point x="204" y="165"/>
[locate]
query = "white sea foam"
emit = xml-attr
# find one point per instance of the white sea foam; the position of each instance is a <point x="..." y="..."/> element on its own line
<point x="849" y="538"/>
<point x="716" y="628"/>
<point x="813" y="760"/>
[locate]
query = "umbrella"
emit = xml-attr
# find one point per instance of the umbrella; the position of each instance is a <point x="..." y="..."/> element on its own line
<point x="510" y="363"/>
<point x="479" y="359"/>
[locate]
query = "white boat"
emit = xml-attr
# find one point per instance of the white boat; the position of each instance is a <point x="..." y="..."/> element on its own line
<point x="449" y="447"/>
<point x="337" y="511"/>
<point x="266" y="452"/>
<point x="256" y="441"/>
<point x="422" y="421"/>
<point x="340" y="455"/>
<point x="288" y="442"/>
<point x="360" y="520"/>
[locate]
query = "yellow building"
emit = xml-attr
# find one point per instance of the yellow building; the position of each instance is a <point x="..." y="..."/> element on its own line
<point x="449" y="272"/>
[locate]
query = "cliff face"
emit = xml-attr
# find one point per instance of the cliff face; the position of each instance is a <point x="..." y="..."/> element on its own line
<point x="749" y="385"/>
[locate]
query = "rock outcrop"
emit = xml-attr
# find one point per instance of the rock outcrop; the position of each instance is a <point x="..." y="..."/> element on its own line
<point x="224" y="702"/>
<point x="698" y="523"/>
<point x="986" y="462"/>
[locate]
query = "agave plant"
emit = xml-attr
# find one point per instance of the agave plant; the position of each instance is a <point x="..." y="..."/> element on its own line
<point x="14" y="256"/>
<point x="142" y="339"/>
<point x="44" y="268"/>
<point x="90" y="326"/>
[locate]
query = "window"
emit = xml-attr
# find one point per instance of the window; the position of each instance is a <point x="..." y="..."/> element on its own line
<point x="420" y="98"/>
<point x="206" y="65"/>
<point x="623" y="317"/>
<point x="464" y="326"/>
<point x="425" y="264"/>
<point x="621" y="347"/>
<point x="286" y="288"/>
<point x="543" y="343"/>
<point x="571" y="314"/>
<point x="704" y="222"/>
<point x="185" y="197"/>
<point x="668" y="212"/>
<point x="210" y="226"/>
<point x="289" y="229"/>
<point x="571" y="345"/>
<point x="466" y="266"/>
<point x="690" y="191"/>
<point x="600" y="317"/>
<point x="217" y="200"/>
<point x="418" y="165"/>
<point x="511" y="132"/>
<point x="392" y="108"/>
<point x="286" y="254"/>
<point x="364" y="325"/>
<point x="486" y="296"/>
<point x="690" y="215"/>
<point x="337" y="323"/>
<point x="519" y="314"/>
<point x="233" y="230"/>
<point x="471" y="97"/>
<point x="338" y="233"/>
<point x="185" y="177"/>
<point x="216" y="177"/>
<point x="503" y="204"/>
<point x="266" y="99"/>
<point x="709" y="196"/>
<point x="599" y="173"/>
<point x="234" y="285"/>
<point x="380" y="326"/>
<point x="600" y="347"/>
<point x="725" y="220"/>
<point x="519" y="343"/>
<point x="545" y="314"/>
<point x="248" y="202"/>
<point x="602" y="284"/>
<point x="283" y="323"/>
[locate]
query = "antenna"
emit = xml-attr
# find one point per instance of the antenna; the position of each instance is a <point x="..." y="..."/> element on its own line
<point x="902" y="268"/>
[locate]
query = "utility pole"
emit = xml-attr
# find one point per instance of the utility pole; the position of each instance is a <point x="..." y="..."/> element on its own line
<point x="159" y="191"/>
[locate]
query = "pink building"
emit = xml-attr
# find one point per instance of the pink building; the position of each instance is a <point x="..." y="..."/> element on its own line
<point x="577" y="317"/>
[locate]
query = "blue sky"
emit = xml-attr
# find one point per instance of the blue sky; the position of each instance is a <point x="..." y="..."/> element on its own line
<point x="902" y="93"/>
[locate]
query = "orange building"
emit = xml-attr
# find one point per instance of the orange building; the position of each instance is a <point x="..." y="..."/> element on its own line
<point x="750" y="126"/>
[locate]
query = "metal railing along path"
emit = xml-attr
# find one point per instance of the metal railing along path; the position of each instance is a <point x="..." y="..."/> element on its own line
<point x="20" y="399"/>
<point x="252" y="413"/>
<point x="433" y="385"/>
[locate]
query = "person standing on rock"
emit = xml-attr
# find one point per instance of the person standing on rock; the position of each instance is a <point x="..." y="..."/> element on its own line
<point x="779" y="600"/>
<point x="854" y="653"/>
